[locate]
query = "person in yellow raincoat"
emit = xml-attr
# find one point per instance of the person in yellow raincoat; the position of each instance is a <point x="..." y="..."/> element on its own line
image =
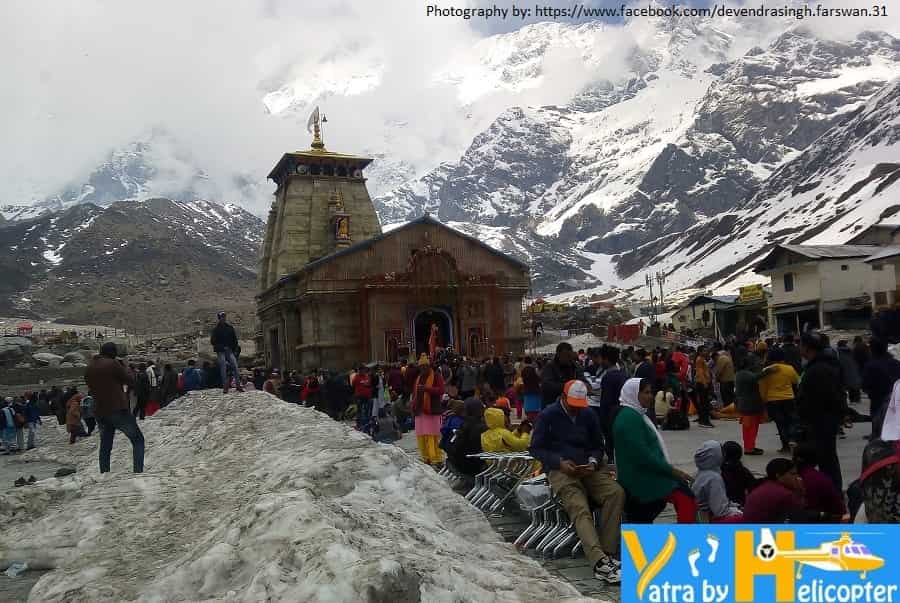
<point x="498" y="438"/>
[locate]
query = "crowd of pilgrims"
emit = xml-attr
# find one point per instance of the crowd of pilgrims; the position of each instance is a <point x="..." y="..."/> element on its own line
<point x="595" y="420"/>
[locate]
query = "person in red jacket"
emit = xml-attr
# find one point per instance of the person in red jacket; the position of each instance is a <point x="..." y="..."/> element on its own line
<point x="682" y="362"/>
<point x="362" y="392"/>
<point x="427" y="409"/>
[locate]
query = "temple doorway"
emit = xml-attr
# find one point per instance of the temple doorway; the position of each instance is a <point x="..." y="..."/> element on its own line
<point x="422" y="328"/>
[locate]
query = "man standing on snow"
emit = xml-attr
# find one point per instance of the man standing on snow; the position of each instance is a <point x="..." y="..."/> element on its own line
<point x="225" y="342"/>
<point x="105" y="377"/>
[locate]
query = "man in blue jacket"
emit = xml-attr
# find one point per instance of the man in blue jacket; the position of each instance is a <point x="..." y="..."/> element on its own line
<point x="192" y="377"/>
<point x="568" y="440"/>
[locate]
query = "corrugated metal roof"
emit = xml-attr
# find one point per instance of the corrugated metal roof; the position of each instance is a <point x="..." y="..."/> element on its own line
<point x="885" y="253"/>
<point x="832" y="251"/>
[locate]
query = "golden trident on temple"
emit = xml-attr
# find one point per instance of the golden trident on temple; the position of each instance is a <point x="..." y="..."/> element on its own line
<point x="314" y="125"/>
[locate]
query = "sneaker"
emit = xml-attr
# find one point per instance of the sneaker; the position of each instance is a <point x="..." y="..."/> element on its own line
<point x="754" y="452"/>
<point x="224" y="390"/>
<point x="706" y="425"/>
<point x="607" y="571"/>
<point x="21" y="482"/>
<point x="31" y="479"/>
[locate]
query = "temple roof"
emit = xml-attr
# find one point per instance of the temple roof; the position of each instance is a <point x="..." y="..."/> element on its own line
<point x="316" y="154"/>
<point x="425" y="219"/>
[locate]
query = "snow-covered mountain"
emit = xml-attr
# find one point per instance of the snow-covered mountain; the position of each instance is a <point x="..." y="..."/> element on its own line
<point x="845" y="181"/>
<point x="131" y="264"/>
<point x="688" y="137"/>
<point x="587" y="148"/>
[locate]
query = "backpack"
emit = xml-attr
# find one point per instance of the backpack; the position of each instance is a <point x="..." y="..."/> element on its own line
<point x="675" y="421"/>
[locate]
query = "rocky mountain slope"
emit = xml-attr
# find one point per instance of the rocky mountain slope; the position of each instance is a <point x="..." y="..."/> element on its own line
<point x="151" y="266"/>
<point x="688" y="137"/>
<point x="845" y="181"/>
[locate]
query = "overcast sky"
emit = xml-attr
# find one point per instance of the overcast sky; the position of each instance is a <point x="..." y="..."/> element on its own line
<point x="83" y="77"/>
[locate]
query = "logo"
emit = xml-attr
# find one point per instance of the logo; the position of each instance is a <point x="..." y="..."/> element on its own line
<point x="719" y="563"/>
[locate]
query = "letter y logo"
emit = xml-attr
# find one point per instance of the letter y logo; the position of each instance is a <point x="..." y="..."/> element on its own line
<point x="647" y="571"/>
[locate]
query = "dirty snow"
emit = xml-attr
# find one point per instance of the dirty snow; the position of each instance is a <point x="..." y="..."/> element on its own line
<point x="247" y="498"/>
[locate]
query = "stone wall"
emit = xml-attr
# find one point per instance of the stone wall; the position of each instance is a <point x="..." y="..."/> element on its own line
<point x="32" y="376"/>
<point x="300" y="230"/>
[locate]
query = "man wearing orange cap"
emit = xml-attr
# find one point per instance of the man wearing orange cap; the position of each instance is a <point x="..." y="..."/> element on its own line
<point x="569" y="443"/>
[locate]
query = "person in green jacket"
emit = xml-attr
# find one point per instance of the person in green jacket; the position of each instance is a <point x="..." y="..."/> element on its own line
<point x="748" y="400"/>
<point x="644" y="469"/>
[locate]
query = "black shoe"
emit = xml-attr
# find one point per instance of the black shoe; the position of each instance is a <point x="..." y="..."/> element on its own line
<point x="608" y="571"/>
<point x="707" y="425"/>
<point x="31" y="479"/>
<point x="64" y="472"/>
<point x="754" y="452"/>
<point x="20" y="482"/>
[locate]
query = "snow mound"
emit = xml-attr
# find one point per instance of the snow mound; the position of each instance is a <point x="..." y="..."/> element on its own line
<point x="247" y="498"/>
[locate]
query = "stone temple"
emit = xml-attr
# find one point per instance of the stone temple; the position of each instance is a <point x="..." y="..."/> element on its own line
<point x="336" y="291"/>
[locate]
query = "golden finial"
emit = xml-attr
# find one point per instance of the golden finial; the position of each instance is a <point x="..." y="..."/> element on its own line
<point x="314" y="124"/>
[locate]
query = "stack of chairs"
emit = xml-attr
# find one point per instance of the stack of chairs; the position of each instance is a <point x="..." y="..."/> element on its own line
<point x="551" y="532"/>
<point x="497" y="484"/>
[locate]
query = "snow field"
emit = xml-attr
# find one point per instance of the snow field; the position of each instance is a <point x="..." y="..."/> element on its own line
<point x="247" y="498"/>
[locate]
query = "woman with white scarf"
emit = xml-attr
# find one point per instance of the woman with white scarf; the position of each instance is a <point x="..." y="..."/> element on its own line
<point x="643" y="466"/>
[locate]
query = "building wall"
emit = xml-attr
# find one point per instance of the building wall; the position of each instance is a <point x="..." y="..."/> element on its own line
<point x="807" y="284"/>
<point x="876" y="235"/>
<point x="883" y="287"/>
<point x="837" y="283"/>
<point x="693" y="316"/>
<point x="336" y="315"/>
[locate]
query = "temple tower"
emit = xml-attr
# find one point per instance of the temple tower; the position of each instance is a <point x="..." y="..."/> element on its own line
<point x="321" y="206"/>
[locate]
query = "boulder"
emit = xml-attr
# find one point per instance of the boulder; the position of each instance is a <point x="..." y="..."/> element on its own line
<point x="14" y="348"/>
<point x="75" y="357"/>
<point x="46" y="359"/>
<point x="66" y="365"/>
<point x="24" y="365"/>
<point x="166" y="343"/>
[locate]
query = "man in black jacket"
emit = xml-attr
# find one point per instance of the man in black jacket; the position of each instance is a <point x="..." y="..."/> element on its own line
<point x="878" y="378"/>
<point x="792" y="353"/>
<point x="820" y="403"/>
<point x="225" y="343"/>
<point x="557" y="372"/>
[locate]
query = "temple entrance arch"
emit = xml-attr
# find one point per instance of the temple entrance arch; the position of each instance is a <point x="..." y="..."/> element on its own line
<point x="422" y="322"/>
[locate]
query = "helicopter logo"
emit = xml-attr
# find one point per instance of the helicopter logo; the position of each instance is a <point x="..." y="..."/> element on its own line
<point x="841" y="555"/>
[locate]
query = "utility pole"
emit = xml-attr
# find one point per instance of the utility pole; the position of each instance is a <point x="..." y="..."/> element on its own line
<point x="661" y="279"/>
<point x="649" y="282"/>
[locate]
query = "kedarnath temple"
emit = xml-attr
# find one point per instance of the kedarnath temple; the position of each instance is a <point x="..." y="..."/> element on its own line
<point x="335" y="291"/>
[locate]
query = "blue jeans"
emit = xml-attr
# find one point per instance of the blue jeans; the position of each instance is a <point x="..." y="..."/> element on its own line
<point x="226" y="359"/>
<point x="363" y="413"/>
<point x="125" y="422"/>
